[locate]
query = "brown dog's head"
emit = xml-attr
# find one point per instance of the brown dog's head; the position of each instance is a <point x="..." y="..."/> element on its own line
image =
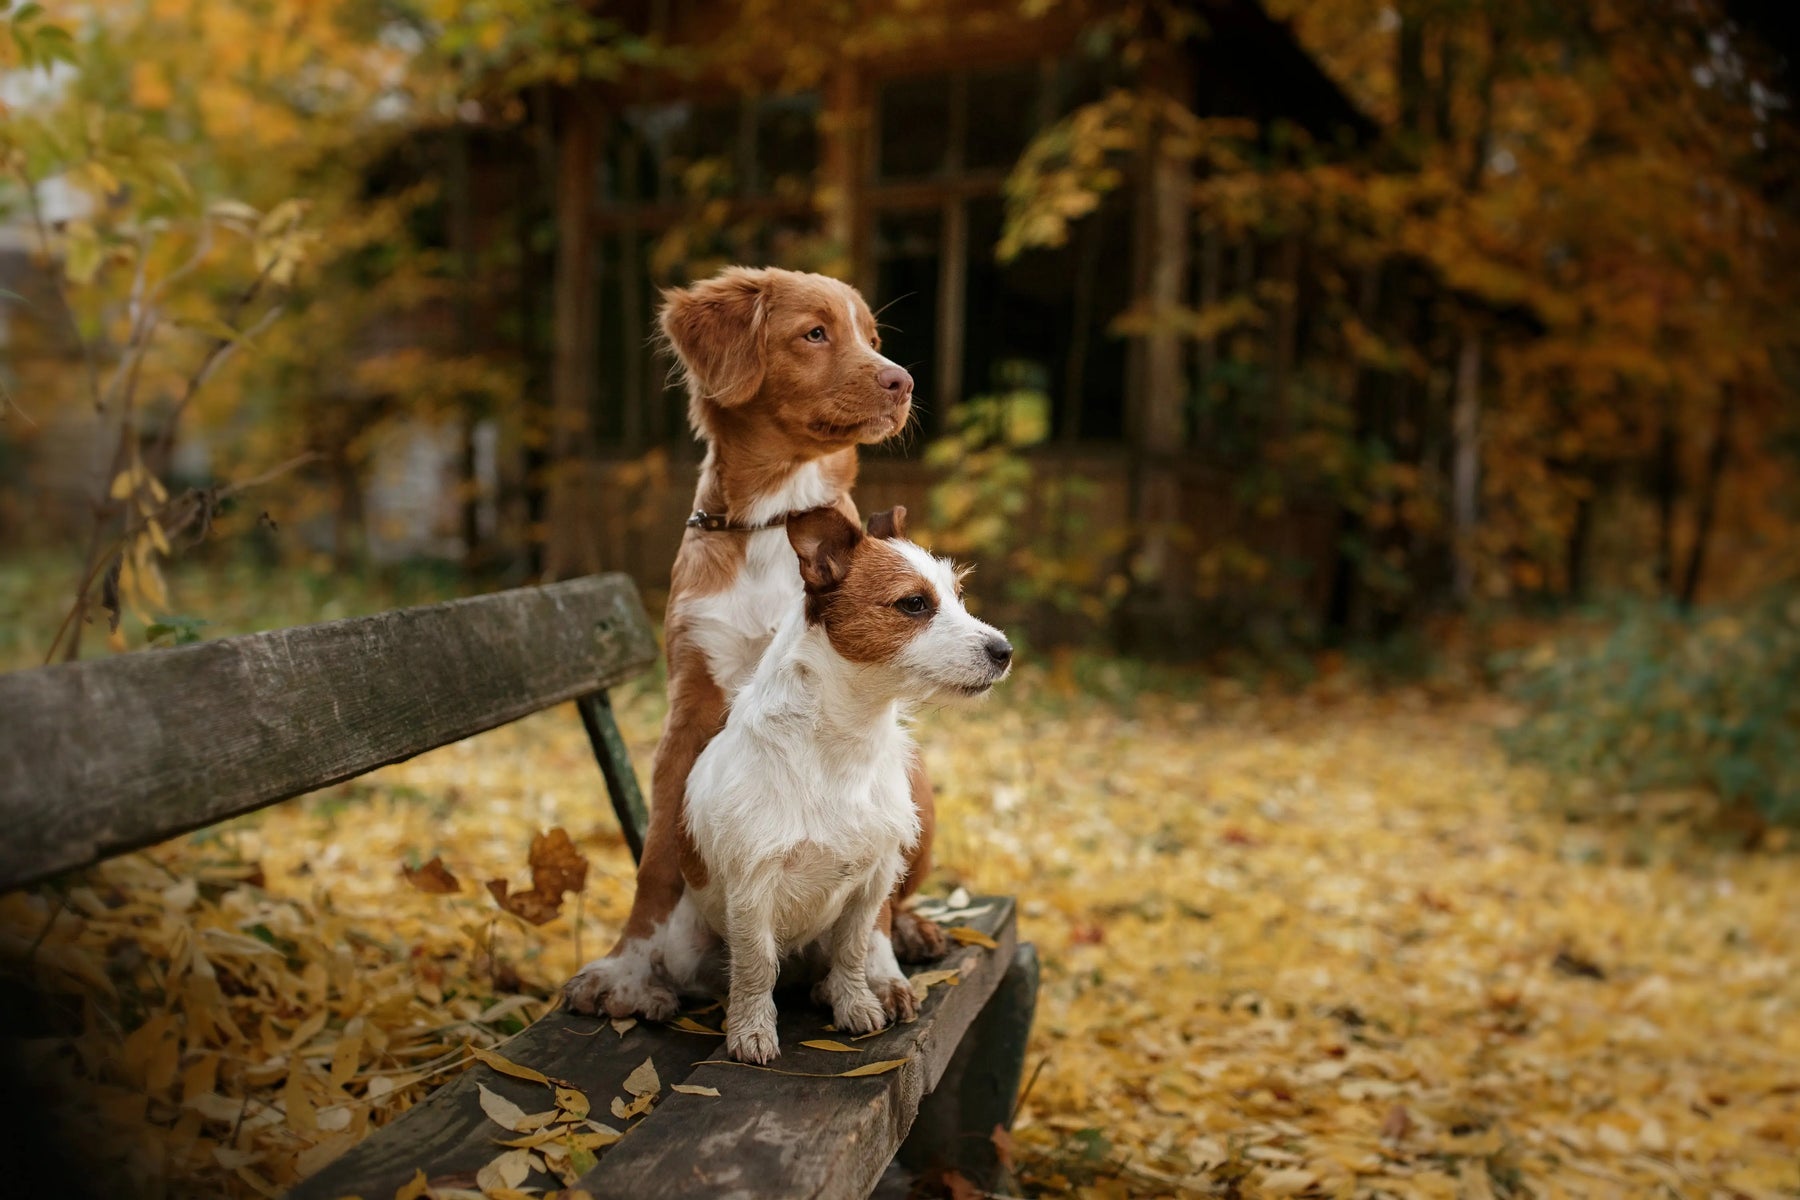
<point x="797" y="352"/>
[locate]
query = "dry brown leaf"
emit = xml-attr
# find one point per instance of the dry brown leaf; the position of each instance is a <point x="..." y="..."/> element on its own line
<point x="556" y="867"/>
<point x="643" y="1080"/>
<point x="959" y="1187"/>
<point x="509" y="1170"/>
<point x="413" y="1189"/>
<point x="433" y="878"/>
<point x="694" y="1089"/>
<point x="827" y="1044"/>
<point x="693" y="1026"/>
<point x="638" y="1107"/>
<point x="1287" y="1181"/>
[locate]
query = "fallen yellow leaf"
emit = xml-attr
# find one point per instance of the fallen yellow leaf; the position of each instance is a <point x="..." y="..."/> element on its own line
<point x="507" y="1066"/>
<point x="972" y="937"/>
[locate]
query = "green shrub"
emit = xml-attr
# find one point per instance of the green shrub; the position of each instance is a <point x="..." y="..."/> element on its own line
<point x="1028" y="524"/>
<point x="1670" y="701"/>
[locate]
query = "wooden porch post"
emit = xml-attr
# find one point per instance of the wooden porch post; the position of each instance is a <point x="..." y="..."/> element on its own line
<point x="1159" y="433"/>
<point x="843" y="193"/>
<point x="572" y="535"/>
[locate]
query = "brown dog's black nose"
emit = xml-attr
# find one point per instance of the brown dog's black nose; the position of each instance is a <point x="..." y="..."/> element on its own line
<point x="999" y="650"/>
<point x="895" y="380"/>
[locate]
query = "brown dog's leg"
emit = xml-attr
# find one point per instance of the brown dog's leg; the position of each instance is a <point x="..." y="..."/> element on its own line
<point x="915" y="938"/>
<point x="628" y="982"/>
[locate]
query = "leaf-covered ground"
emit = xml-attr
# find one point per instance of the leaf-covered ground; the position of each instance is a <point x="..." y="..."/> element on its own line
<point x="1305" y="945"/>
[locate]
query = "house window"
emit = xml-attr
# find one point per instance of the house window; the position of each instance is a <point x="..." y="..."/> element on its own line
<point x="964" y="323"/>
<point x="689" y="183"/>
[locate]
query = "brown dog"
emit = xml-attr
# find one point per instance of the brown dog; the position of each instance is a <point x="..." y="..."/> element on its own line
<point x="785" y="379"/>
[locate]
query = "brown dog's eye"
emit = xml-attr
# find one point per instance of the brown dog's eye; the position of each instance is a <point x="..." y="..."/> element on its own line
<point x="913" y="606"/>
<point x="816" y="334"/>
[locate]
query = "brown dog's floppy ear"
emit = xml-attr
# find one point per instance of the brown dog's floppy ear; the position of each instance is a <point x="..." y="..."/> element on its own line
<point x="888" y="524"/>
<point x="824" y="539"/>
<point x="717" y="329"/>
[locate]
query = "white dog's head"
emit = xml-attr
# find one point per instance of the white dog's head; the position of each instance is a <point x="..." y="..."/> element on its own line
<point x="884" y="601"/>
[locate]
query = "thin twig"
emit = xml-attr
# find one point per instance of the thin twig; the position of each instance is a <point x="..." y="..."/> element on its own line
<point x="171" y="528"/>
<point x="8" y="404"/>
<point x="62" y="902"/>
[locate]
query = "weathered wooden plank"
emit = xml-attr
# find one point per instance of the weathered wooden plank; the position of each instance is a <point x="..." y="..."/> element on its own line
<point x="783" y="1137"/>
<point x="447" y="1134"/>
<point x="763" y="1135"/>
<point x="106" y="756"/>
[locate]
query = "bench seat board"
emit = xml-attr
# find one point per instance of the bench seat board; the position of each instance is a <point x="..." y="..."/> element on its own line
<point x="110" y="755"/>
<point x="765" y="1134"/>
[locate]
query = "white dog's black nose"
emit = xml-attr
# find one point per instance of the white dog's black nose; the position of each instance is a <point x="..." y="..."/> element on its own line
<point x="999" y="651"/>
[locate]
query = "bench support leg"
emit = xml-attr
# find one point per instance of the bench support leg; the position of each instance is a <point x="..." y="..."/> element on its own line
<point x="955" y="1126"/>
<point x="615" y="765"/>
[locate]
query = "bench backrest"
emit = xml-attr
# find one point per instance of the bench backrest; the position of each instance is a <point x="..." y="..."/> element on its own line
<point x="101" y="757"/>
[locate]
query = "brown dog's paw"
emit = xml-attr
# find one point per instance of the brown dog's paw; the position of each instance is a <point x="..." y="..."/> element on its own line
<point x="897" y="999"/>
<point x="625" y="985"/>
<point x="916" y="939"/>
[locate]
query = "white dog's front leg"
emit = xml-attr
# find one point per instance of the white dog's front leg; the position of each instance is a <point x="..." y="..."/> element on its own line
<point x="755" y="963"/>
<point x="854" y="1005"/>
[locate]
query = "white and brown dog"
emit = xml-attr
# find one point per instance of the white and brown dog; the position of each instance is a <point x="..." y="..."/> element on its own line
<point x="785" y="380"/>
<point x="800" y="809"/>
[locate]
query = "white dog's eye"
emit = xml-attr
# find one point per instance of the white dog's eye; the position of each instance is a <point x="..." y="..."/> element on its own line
<point x="914" y="606"/>
<point x="816" y="334"/>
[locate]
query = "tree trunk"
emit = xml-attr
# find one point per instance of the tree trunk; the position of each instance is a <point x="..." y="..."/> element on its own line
<point x="1581" y="536"/>
<point x="1284" y="337"/>
<point x="1465" y="466"/>
<point x="1709" y="496"/>
<point x="1206" y="353"/>
<point x="572" y="546"/>
<point x="1410" y="73"/>
<point x="461" y="236"/>
<point x="1667" y="483"/>
<point x="1158" y="432"/>
<point x="1081" y="328"/>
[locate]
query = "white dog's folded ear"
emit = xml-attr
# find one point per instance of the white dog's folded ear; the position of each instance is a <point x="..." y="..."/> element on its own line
<point x="719" y="331"/>
<point x="889" y="524"/>
<point x="824" y="539"/>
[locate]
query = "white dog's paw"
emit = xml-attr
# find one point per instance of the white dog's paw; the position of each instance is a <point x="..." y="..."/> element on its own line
<point x="890" y="986"/>
<point x="854" y="1008"/>
<point x="626" y="985"/>
<point x="750" y="1033"/>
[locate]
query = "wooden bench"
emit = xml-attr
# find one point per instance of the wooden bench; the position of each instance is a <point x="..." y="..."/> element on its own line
<point x="102" y="757"/>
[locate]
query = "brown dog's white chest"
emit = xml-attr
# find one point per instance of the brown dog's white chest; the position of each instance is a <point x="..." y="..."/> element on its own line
<point x="734" y="624"/>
